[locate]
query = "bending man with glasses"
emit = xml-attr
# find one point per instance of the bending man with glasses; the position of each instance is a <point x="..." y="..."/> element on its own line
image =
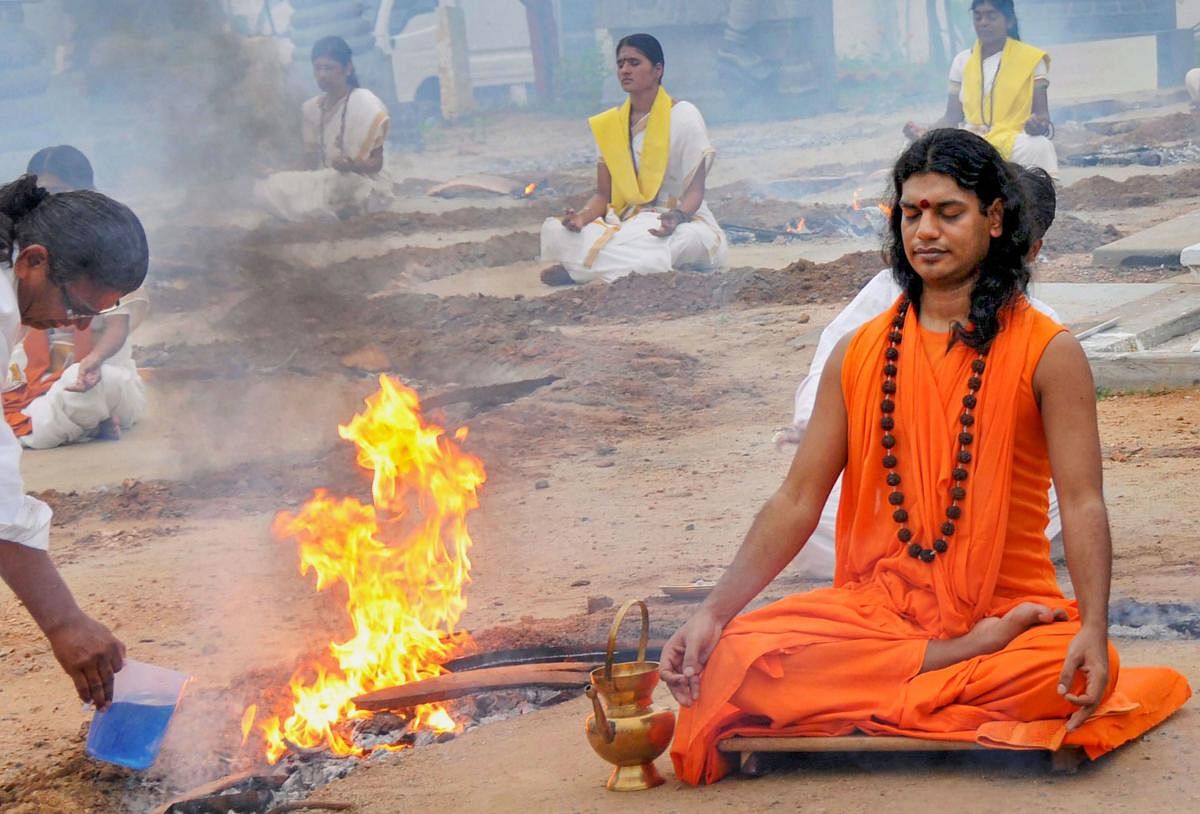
<point x="63" y="257"/>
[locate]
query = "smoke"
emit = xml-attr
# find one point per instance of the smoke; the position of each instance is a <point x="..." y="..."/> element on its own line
<point x="165" y="96"/>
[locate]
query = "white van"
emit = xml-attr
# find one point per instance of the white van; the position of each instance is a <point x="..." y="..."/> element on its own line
<point x="500" y="59"/>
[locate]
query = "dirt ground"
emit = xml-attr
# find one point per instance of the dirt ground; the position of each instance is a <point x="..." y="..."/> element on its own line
<point x="640" y="466"/>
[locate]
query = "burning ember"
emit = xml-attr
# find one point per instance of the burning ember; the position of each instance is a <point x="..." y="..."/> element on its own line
<point x="403" y="563"/>
<point x="796" y="227"/>
<point x="530" y="189"/>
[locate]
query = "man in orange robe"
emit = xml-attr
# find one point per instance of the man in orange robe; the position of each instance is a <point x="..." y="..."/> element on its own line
<point x="945" y="620"/>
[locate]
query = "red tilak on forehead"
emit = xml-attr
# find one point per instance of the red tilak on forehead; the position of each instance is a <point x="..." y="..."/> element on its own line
<point x="924" y="203"/>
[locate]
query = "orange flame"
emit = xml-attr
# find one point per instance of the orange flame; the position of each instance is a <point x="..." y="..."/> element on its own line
<point x="248" y="720"/>
<point x="797" y="227"/>
<point x="402" y="561"/>
<point x="530" y="189"/>
<point x="886" y="210"/>
<point x="856" y="202"/>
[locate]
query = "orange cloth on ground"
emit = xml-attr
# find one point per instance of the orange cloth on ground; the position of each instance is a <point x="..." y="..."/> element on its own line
<point x="847" y="659"/>
<point x="39" y="375"/>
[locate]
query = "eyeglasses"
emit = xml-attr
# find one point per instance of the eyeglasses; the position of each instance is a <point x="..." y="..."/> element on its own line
<point x="76" y="312"/>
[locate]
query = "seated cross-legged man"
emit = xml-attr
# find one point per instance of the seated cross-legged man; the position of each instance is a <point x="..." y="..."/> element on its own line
<point x="949" y="414"/>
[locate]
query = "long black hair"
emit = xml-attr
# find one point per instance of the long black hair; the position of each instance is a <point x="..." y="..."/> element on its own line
<point x="647" y="44"/>
<point x="976" y="167"/>
<point x="1006" y="8"/>
<point x="87" y="235"/>
<point x="65" y="162"/>
<point x="338" y="50"/>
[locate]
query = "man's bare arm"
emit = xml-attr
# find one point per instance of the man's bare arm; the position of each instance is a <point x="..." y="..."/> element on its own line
<point x="1066" y="392"/>
<point x="86" y="649"/>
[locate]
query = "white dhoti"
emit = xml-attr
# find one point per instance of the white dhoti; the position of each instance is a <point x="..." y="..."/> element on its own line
<point x="322" y="194"/>
<point x="1035" y="151"/>
<point x="60" y="416"/>
<point x="610" y="249"/>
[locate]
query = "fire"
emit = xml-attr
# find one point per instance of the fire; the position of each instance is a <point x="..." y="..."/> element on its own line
<point x="797" y="227"/>
<point x="248" y="721"/>
<point x="530" y="189"/>
<point x="402" y="562"/>
<point x="856" y="202"/>
<point x="885" y="209"/>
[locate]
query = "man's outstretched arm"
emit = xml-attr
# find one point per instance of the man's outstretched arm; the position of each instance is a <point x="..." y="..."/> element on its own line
<point x="86" y="649"/>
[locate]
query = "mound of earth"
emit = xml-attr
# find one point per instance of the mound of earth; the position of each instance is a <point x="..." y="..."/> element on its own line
<point x="1100" y="192"/>
<point x="1161" y="130"/>
<point x="678" y="293"/>
<point x="1071" y="235"/>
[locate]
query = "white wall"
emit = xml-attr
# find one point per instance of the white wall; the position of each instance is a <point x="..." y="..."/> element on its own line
<point x="897" y="30"/>
<point x="881" y="30"/>
<point x="1188" y="13"/>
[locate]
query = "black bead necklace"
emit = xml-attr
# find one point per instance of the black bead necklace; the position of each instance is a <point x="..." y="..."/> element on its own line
<point x="965" y="437"/>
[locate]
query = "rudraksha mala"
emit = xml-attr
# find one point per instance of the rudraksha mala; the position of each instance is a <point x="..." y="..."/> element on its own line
<point x="966" y="437"/>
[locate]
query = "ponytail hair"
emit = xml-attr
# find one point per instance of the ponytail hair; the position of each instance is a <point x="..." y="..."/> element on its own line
<point x="17" y="200"/>
<point x="1008" y="9"/>
<point x="86" y="235"/>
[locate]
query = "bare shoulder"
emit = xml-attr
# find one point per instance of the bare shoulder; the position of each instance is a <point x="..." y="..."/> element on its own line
<point x="833" y="367"/>
<point x="1063" y="366"/>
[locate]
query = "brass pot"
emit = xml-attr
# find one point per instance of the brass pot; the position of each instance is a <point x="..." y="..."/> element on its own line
<point x="625" y="729"/>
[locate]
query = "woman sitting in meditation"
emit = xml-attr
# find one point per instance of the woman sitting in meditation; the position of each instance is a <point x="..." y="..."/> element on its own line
<point x="999" y="87"/>
<point x="345" y="127"/>
<point x="648" y="213"/>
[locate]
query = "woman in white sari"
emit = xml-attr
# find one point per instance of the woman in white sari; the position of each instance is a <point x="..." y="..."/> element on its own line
<point x="647" y="214"/>
<point x="345" y="128"/>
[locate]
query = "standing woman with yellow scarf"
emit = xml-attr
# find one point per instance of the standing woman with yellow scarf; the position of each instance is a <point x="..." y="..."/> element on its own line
<point x="647" y="214"/>
<point x="998" y="89"/>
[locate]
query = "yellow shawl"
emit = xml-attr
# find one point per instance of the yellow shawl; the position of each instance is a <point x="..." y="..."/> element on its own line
<point x="632" y="187"/>
<point x="1009" y="105"/>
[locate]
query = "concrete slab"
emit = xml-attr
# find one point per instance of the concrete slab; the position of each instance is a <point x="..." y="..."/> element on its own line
<point x="1159" y="245"/>
<point x="1084" y="302"/>
<point x="1150" y="322"/>
<point x="1145" y="370"/>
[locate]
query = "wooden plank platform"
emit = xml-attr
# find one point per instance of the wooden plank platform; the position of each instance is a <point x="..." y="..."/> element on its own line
<point x="1066" y="760"/>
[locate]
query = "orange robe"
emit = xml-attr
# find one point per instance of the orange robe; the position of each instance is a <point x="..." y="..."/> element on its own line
<point x="847" y="659"/>
<point x="39" y="375"/>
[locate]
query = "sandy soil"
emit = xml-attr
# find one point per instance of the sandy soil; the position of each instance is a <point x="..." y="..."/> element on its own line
<point x="653" y="449"/>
